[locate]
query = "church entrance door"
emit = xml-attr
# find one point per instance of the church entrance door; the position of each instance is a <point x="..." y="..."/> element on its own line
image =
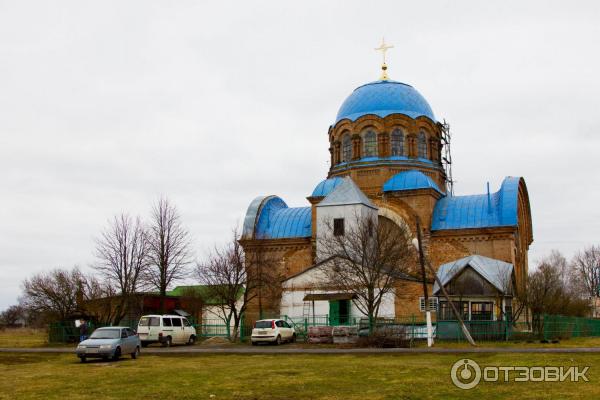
<point x="339" y="312"/>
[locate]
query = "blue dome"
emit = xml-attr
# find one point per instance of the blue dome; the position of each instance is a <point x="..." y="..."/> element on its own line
<point x="410" y="180"/>
<point x="383" y="98"/>
<point x="326" y="186"/>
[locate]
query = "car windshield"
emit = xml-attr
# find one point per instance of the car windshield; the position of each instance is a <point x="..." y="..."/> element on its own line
<point x="263" y="324"/>
<point x="106" y="334"/>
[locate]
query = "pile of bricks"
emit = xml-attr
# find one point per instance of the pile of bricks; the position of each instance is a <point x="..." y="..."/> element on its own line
<point x="345" y="334"/>
<point x="320" y="334"/>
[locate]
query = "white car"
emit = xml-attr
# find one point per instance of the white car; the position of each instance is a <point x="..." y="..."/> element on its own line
<point x="165" y="329"/>
<point x="272" y="331"/>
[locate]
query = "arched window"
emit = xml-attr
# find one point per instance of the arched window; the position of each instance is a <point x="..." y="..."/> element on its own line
<point x="370" y="144"/>
<point x="397" y="142"/>
<point x="422" y="145"/>
<point x="346" y="148"/>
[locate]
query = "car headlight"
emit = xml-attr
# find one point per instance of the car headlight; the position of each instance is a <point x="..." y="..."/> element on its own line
<point x="106" y="346"/>
<point x="81" y="346"/>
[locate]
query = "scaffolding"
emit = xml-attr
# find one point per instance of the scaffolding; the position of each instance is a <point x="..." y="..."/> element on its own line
<point x="447" y="157"/>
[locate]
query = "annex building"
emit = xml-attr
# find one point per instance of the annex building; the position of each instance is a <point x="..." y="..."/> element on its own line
<point x="390" y="156"/>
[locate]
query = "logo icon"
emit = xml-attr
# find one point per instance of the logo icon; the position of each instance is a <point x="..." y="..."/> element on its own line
<point x="465" y="374"/>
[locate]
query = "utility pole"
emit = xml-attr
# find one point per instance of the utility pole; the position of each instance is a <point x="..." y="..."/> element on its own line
<point x="424" y="261"/>
<point x="424" y="279"/>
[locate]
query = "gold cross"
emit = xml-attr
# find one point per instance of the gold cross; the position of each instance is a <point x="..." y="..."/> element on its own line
<point x="383" y="48"/>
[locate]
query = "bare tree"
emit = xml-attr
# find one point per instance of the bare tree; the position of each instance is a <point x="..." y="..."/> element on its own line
<point x="12" y="315"/>
<point x="367" y="259"/>
<point x="168" y="248"/>
<point x="100" y="299"/>
<point x="586" y="270"/>
<point x="55" y="295"/>
<point x="234" y="279"/>
<point x="549" y="291"/>
<point x="264" y="279"/>
<point x="122" y="252"/>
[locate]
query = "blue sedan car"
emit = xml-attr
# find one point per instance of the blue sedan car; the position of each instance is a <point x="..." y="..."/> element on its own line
<point x="110" y="342"/>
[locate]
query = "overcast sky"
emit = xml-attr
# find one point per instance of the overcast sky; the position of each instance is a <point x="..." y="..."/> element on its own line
<point x="105" y="106"/>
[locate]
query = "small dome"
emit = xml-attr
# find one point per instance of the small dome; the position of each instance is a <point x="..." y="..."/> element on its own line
<point x="326" y="186"/>
<point x="410" y="180"/>
<point x="383" y="98"/>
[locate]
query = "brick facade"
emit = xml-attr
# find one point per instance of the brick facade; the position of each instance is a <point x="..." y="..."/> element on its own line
<point x="507" y="243"/>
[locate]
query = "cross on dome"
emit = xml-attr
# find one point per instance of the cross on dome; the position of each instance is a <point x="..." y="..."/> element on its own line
<point x="384" y="48"/>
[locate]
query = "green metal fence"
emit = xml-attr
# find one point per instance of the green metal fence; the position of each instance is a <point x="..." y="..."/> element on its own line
<point x="67" y="332"/>
<point x="561" y="327"/>
<point x="219" y="328"/>
<point x="411" y="328"/>
<point x="414" y="328"/>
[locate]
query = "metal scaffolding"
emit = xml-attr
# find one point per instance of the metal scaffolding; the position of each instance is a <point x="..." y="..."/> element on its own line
<point x="447" y="157"/>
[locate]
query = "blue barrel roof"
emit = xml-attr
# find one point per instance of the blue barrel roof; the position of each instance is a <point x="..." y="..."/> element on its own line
<point x="383" y="98"/>
<point x="479" y="211"/>
<point x="278" y="221"/>
<point x="410" y="180"/>
<point x="326" y="186"/>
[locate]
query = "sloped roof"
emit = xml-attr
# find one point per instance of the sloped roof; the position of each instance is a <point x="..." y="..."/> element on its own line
<point x="202" y="291"/>
<point x="346" y="193"/>
<point x="494" y="271"/>
<point x="479" y="211"/>
<point x="410" y="180"/>
<point x="324" y="262"/>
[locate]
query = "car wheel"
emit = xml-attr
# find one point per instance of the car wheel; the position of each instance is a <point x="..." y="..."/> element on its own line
<point x="278" y="340"/>
<point x="82" y="359"/>
<point x="117" y="354"/>
<point x="254" y="343"/>
<point x="168" y="342"/>
<point x="192" y="340"/>
<point x="145" y="344"/>
<point x="293" y="340"/>
<point x="136" y="353"/>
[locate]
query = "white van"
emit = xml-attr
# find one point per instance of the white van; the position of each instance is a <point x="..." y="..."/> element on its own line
<point x="165" y="329"/>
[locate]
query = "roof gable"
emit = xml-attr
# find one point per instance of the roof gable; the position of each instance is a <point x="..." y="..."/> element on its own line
<point x="494" y="271"/>
<point x="346" y="193"/>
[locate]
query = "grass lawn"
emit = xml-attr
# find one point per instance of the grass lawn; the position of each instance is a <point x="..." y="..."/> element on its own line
<point x="23" y="337"/>
<point x="573" y="342"/>
<point x="406" y="376"/>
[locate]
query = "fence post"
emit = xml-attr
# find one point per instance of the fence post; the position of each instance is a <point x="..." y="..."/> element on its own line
<point x="241" y="328"/>
<point x="412" y="329"/>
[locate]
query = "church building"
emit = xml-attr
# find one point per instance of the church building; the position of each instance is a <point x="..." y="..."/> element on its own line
<point x="390" y="156"/>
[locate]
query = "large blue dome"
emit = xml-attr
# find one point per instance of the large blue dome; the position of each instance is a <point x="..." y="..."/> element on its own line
<point x="383" y="98"/>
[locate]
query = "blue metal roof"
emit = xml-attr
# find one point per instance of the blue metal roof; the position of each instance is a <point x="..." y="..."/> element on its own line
<point x="383" y="98"/>
<point x="479" y="211"/>
<point x="410" y="180"/>
<point x="277" y="221"/>
<point x="326" y="186"/>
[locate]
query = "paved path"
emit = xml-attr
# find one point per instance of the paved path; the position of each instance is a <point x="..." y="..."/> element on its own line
<point x="296" y="350"/>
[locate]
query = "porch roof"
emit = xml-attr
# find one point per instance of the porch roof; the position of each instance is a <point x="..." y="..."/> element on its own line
<point x="497" y="273"/>
<point x="329" y="296"/>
